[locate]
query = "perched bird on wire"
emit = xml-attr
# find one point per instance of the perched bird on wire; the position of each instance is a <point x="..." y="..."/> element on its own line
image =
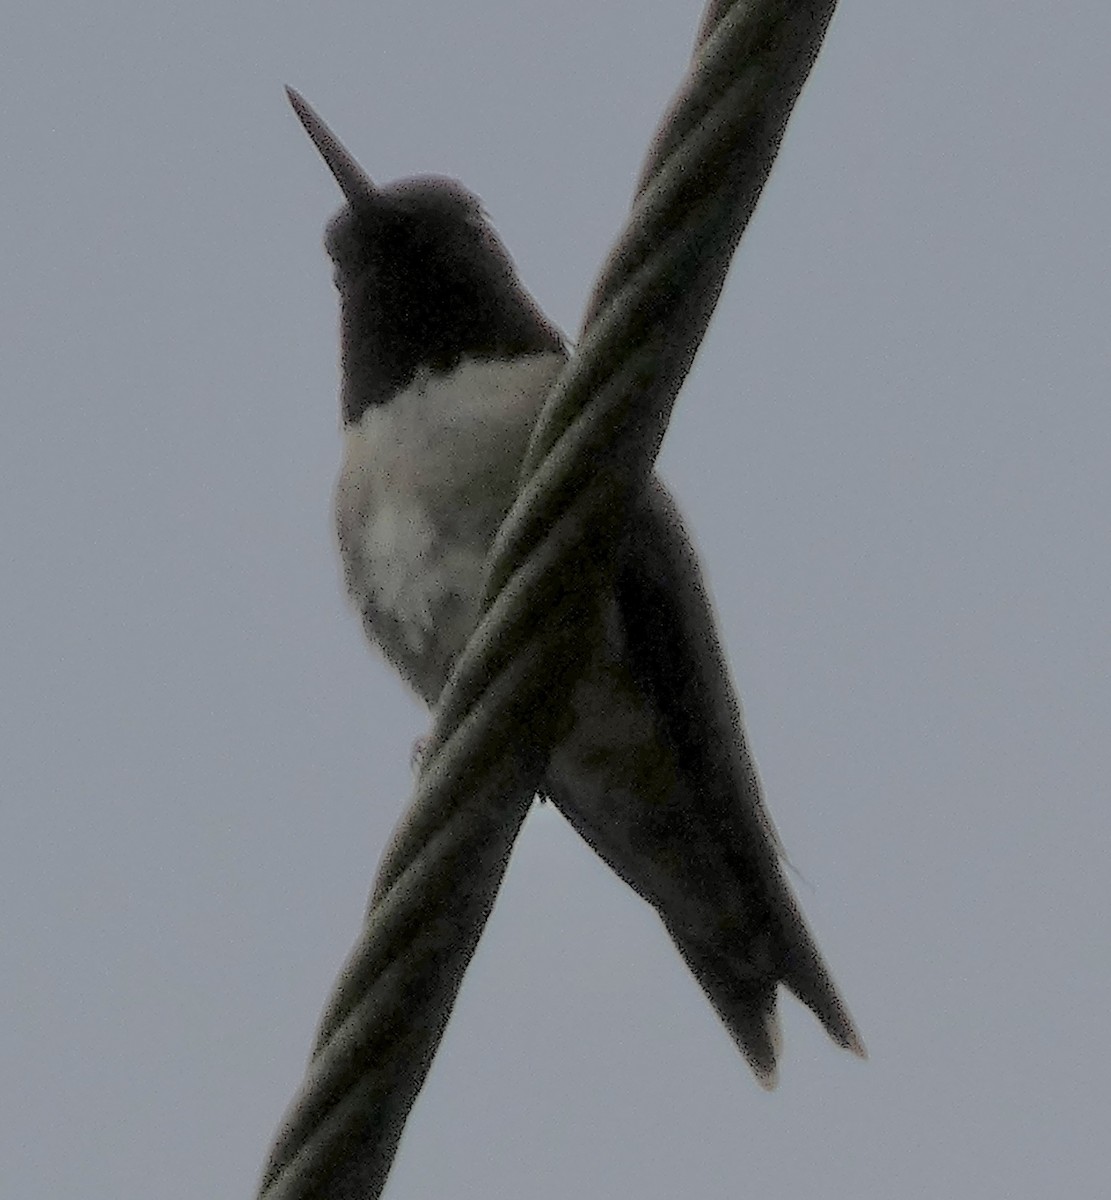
<point x="446" y="363"/>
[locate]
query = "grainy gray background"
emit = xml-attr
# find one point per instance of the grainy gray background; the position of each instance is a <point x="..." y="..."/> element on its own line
<point x="894" y="452"/>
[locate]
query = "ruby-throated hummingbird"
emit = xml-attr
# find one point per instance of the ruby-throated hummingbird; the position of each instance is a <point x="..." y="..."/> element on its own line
<point x="446" y="363"/>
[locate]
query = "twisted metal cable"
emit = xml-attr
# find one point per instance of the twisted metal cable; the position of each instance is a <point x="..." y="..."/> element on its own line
<point x="501" y="710"/>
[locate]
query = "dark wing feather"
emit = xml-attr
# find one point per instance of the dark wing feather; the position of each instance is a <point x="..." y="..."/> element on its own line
<point x="671" y="648"/>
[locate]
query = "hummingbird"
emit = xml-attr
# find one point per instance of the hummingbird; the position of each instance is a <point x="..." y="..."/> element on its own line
<point x="446" y="361"/>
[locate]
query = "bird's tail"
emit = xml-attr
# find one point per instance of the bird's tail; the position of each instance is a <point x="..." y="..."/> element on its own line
<point x="743" y="987"/>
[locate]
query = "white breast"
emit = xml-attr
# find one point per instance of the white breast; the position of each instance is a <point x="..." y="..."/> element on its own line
<point x="425" y="482"/>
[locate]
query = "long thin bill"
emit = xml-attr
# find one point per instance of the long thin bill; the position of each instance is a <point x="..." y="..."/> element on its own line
<point x="354" y="182"/>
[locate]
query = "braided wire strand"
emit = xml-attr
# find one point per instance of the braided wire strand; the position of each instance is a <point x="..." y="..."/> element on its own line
<point x="500" y="712"/>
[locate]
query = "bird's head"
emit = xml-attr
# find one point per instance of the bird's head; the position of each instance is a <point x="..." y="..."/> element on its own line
<point x="423" y="279"/>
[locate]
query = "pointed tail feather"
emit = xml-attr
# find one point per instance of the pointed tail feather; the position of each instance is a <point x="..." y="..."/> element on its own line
<point x="745" y="997"/>
<point x="805" y="973"/>
<point x="746" y="1006"/>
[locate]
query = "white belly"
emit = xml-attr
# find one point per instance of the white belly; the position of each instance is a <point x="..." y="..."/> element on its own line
<point x="426" y="481"/>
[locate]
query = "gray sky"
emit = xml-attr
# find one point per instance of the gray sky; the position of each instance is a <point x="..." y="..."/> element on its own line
<point x="893" y="451"/>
